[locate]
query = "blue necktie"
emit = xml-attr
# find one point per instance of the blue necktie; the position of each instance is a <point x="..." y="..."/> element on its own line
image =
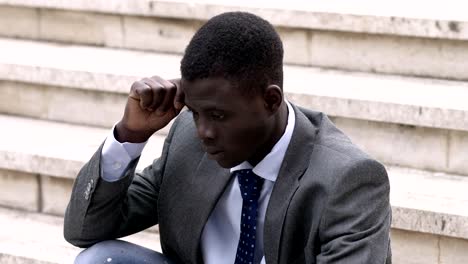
<point x="250" y="187"/>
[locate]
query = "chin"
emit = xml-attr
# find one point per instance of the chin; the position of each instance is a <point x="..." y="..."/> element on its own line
<point x="227" y="164"/>
<point x="224" y="165"/>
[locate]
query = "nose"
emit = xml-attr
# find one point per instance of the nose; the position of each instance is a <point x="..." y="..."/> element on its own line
<point x="205" y="130"/>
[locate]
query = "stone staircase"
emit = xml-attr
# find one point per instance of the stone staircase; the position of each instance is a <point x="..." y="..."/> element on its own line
<point x="47" y="245"/>
<point x="396" y="83"/>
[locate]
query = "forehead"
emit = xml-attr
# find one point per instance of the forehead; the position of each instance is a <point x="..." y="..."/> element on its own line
<point x="211" y="91"/>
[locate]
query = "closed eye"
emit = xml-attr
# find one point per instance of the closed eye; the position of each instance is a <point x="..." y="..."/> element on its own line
<point x="217" y="116"/>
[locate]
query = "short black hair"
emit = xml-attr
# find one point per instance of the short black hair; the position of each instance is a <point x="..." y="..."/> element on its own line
<point x="238" y="46"/>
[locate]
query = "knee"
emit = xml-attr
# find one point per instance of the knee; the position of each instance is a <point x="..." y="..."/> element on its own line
<point x="101" y="252"/>
<point x="119" y="252"/>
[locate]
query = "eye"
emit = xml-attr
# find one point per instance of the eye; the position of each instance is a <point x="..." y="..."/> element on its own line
<point x="217" y="116"/>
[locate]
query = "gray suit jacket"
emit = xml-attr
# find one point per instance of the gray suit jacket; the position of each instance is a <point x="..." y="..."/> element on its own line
<point x="330" y="203"/>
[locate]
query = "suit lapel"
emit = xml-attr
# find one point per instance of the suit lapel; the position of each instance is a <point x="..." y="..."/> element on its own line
<point x="294" y="165"/>
<point x="207" y="185"/>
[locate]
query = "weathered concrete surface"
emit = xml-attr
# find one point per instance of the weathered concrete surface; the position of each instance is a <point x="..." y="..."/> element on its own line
<point x="401" y="100"/>
<point x="19" y="190"/>
<point x="79" y="106"/>
<point x="56" y="149"/>
<point x="400" y="145"/>
<point x="389" y="17"/>
<point x="437" y="58"/>
<point x="66" y="26"/>
<point x="25" y="21"/>
<point x="419" y="248"/>
<point x="414" y="247"/>
<point x="356" y="42"/>
<point x="422" y="201"/>
<point x="158" y="34"/>
<point x="38" y="238"/>
<point x="56" y="193"/>
<point x="434" y="203"/>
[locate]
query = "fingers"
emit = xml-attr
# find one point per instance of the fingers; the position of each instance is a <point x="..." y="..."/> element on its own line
<point x="179" y="98"/>
<point x="141" y="92"/>
<point x="155" y="94"/>
<point x="170" y="91"/>
<point x="158" y="91"/>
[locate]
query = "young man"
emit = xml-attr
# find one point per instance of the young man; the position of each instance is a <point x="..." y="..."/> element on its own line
<point x="244" y="176"/>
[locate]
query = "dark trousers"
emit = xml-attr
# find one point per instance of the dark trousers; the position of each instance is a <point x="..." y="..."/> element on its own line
<point x="119" y="252"/>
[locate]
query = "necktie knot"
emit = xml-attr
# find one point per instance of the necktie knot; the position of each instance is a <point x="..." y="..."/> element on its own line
<point x="250" y="184"/>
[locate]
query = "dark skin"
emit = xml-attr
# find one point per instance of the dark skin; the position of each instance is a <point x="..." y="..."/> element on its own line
<point x="233" y="126"/>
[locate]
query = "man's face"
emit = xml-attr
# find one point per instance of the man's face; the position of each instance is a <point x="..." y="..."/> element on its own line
<point x="232" y="127"/>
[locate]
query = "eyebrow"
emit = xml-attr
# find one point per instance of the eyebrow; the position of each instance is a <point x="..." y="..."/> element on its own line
<point x="209" y="108"/>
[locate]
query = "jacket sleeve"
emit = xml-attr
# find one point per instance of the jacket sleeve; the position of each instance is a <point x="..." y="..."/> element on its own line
<point x="356" y="222"/>
<point x="99" y="210"/>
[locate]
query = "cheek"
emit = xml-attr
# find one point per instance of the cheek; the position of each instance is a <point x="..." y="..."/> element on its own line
<point x="244" y="139"/>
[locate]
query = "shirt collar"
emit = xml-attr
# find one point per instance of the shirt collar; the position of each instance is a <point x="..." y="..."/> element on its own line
<point x="268" y="168"/>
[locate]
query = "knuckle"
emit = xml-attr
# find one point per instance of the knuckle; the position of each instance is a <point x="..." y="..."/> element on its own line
<point x="146" y="91"/>
<point x="137" y="85"/>
<point x="146" y="79"/>
<point x="157" y="78"/>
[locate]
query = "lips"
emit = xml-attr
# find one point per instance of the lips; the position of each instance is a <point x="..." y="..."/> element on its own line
<point x="212" y="151"/>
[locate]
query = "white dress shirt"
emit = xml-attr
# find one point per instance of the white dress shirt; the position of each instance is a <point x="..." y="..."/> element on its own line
<point x="222" y="231"/>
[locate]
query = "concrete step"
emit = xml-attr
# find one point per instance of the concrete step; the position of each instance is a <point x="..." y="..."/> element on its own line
<point x="428" y="202"/>
<point x="429" y="225"/>
<point x="106" y="72"/>
<point x="28" y="237"/>
<point x="37" y="239"/>
<point x="39" y="160"/>
<point x="392" y="37"/>
<point x="399" y="120"/>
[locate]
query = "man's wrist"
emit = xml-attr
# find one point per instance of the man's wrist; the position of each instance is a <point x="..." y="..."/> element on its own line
<point x="123" y="134"/>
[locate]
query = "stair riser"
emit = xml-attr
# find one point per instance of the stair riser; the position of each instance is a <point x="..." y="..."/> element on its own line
<point x="422" y="248"/>
<point x="70" y="105"/>
<point x="64" y="105"/>
<point x="423" y="148"/>
<point x="20" y="190"/>
<point x="34" y="192"/>
<point x="414" y="56"/>
<point x="37" y="193"/>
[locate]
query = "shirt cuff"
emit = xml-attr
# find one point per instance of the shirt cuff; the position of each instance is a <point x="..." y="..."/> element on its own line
<point x="116" y="156"/>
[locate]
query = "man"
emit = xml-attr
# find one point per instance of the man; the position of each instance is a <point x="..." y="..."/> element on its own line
<point x="244" y="176"/>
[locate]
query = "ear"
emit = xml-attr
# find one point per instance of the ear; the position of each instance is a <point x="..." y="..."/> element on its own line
<point x="273" y="97"/>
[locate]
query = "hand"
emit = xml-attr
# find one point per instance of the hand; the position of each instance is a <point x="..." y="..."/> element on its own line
<point x="151" y="105"/>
